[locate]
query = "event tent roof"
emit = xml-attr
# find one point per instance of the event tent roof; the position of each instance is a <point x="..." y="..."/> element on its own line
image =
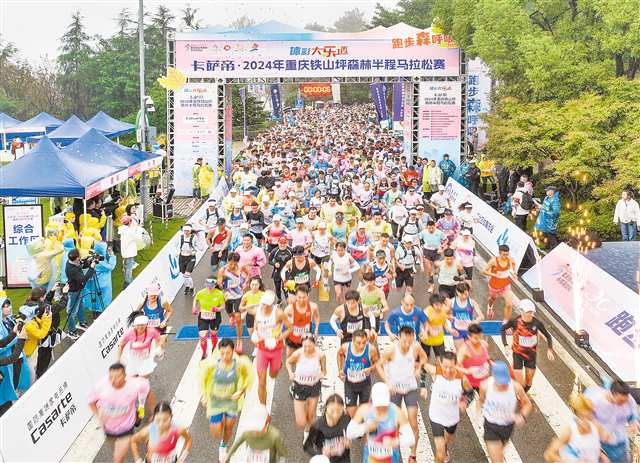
<point x="7" y="121"/>
<point x="41" y="123"/>
<point x="112" y="127"/>
<point x="68" y="132"/>
<point x="48" y="171"/>
<point x="94" y="148"/>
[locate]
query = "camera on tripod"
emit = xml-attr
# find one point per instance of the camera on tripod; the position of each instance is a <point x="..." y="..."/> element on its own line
<point x="92" y="257"/>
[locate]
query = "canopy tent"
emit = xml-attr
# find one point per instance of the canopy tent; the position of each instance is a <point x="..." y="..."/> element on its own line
<point x="7" y="121"/>
<point x="110" y="126"/>
<point x="42" y="123"/>
<point x="67" y="133"/>
<point x="48" y="171"/>
<point x="94" y="148"/>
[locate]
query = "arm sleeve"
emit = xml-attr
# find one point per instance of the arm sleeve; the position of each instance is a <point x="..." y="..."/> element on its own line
<point x="547" y="335"/>
<point x="503" y="330"/>
<point x="333" y="321"/>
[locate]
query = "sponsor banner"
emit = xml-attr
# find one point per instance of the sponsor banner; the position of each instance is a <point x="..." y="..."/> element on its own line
<point x="276" y="102"/>
<point x="51" y="414"/>
<point x="22" y="200"/>
<point x="379" y="101"/>
<point x="491" y="228"/>
<point x="407" y="123"/>
<point x="410" y="52"/>
<point x="22" y="225"/>
<point x="103" y="185"/>
<point x="586" y="297"/>
<point x="245" y="129"/>
<point x="335" y="93"/>
<point x="478" y="101"/>
<point x="398" y="102"/>
<point x="317" y="89"/>
<point x="195" y="125"/>
<point x="439" y="120"/>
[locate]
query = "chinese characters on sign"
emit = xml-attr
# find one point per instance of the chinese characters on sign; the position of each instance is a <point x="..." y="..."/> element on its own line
<point x="59" y="406"/>
<point x="22" y="225"/>
<point x="328" y="51"/>
<point x="622" y="325"/>
<point x="478" y="101"/>
<point x="422" y="39"/>
<point x="440" y="120"/>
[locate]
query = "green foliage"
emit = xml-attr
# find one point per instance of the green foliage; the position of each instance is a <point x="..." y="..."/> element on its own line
<point x="351" y="21"/>
<point x="417" y="13"/>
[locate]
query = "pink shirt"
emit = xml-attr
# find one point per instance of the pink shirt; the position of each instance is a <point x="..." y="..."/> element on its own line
<point x="300" y="238"/>
<point x="254" y="259"/>
<point x="118" y="406"/>
<point x="140" y="346"/>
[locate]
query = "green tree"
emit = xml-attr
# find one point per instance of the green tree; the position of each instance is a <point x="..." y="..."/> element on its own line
<point x="242" y="22"/>
<point x="189" y="18"/>
<point x="417" y="13"/>
<point x="351" y="21"/>
<point x="74" y="54"/>
<point x="314" y="26"/>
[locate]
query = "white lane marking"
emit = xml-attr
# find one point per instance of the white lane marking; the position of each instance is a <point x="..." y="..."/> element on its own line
<point x="332" y="384"/>
<point x="250" y="403"/>
<point x="477" y="421"/>
<point x="550" y="404"/>
<point x="184" y="405"/>
<point x="424" y="452"/>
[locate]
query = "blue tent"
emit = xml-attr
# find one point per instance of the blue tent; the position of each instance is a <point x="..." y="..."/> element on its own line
<point x="94" y="148"/>
<point x="7" y="121"/>
<point x="67" y="133"/>
<point x="110" y="126"/>
<point x="37" y="125"/>
<point x="48" y="171"/>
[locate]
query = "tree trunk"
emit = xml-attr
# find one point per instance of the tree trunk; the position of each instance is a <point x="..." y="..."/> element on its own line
<point x="619" y="64"/>
<point x="573" y="6"/>
<point x="633" y="68"/>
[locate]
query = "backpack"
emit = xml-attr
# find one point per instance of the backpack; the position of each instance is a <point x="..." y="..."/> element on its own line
<point x="526" y="202"/>
<point x="190" y="241"/>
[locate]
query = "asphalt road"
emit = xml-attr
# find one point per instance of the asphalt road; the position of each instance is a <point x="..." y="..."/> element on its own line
<point x="552" y="386"/>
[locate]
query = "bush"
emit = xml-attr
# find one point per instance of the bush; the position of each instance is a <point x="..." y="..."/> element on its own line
<point x="601" y="224"/>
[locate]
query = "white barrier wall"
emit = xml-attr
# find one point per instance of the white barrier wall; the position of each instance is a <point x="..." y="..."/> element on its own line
<point x="492" y="229"/>
<point x="46" y="420"/>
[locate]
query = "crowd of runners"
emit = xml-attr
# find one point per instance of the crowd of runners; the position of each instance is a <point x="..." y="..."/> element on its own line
<point x="322" y="207"/>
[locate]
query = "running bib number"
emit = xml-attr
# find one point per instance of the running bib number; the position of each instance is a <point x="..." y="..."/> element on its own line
<point x="528" y="341"/>
<point x="306" y="380"/>
<point x="258" y="456"/>
<point x="334" y="447"/>
<point x="403" y="388"/>
<point x="139" y="353"/>
<point x="354" y="326"/>
<point x="356" y="376"/>
<point x="461" y="324"/>
<point x="301" y="278"/>
<point x="434" y="331"/>
<point x="382" y="282"/>
<point x="504" y="273"/>
<point x="481" y="371"/>
<point x="207" y="315"/>
<point x="153" y="323"/>
<point x="300" y="330"/>
<point x="379" y="451"/>
<point x="170" y="458"/>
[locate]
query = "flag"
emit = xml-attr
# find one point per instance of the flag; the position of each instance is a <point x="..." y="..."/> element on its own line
<point x="276" y="103"/>
<point x="378" y="97"/>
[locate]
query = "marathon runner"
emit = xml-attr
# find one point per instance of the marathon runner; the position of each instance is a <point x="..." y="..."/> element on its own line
<point x="500" y="398"/>
<point x="400" y="367"/>
<point x="224" y="379"/>
<point x="207" y="305"/>
<point x="432" y="241"/>
<point x="411" y="229"/>
<point x="157" y="311"/>
<point x="374" y="300"/>
<point x="338" y="229"/>
<point x="351" y="316"/>
<point x="188" y="246"/>
<point x="301" y="313"/>
<point x="451" y="392"/>
<point x="356" y="362"/>
<point x="358" y="244"/>
<point x="398" y="215"/>
<point x="252" y="257"/>
<point x="377" y="226"/>
<point x="310" y="368"/>
<point x="384" y="275"/>
<point x="385" y="425"/>
<point x="408" y="314"/>
<point x="297" y="271"/>
<point x="327" y="435"/>
<point x="407" y="258"/>
<point x="255" y="219"/>
<point x="432" y="337"/>
<point x="449" y="226"/>
<point x="449" y="272"/>
<point x="525" y="342"/>
<point x="278" y="257"/>
<point x="161" y="438"/>
<point x="321" y="244"/>
<point x="501" y="270"/>
<point x="219" y="239"/>
<point x="274" y="233"/>
<point x="464" y="246"/>
<point x="464" y="311"/>
<point x="118" y="402"/>
<point x="232" y="278"/>
<point x="343" y="267"/>
<point x="473" y="356"/>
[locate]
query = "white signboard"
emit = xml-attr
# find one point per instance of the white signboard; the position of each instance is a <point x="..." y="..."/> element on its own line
<point x="195" y="124"/>
<point x="22" y="225"/>
<point x="478" y="100"/>
<point x="491" y="228"/>
<point x="49" y="417"/>
<point x="440" y="120"/>
<point x="585" y="297"/>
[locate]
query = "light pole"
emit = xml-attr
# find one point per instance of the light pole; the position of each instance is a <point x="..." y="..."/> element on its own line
<point x="144" y="187"/>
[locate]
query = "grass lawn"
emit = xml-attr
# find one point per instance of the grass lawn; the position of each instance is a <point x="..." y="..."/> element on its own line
<point x="160" y="236"/>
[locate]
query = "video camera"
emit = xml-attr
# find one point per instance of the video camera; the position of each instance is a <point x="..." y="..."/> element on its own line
<point x="92" y="257"/>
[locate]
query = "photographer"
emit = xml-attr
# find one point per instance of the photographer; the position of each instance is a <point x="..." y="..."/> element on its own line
<point x="11" y="344"/>
<point x="37" y="328"/>
<point x="97" y="293"/>
<point x="53" y="338"/>
<point x="77" y="278"/>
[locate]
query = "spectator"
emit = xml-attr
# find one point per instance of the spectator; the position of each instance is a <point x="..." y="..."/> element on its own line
<point x="627" y="215"/>
<point x="77" y="278"/>
<point x="195" y="177"/>
<point x="54" y="336"/>
<point x="97" y="297"/>
<point x="11" y="348"/>
<point x="547" y="222"/>
<point x="472" y="178"/>
<point x="37" y="328"/>
<point x="487" y="179"/>
<point x="447" y="167"/>
<point x="435" y="177"/>
<point x="521" y="205"/>
<point x="128" y="247"/>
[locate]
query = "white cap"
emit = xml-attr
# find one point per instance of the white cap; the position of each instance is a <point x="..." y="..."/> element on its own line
<point x="380" y="396"/>
<point x="465" y="232"/>
<point x="277" y="217"/>
<point x="268" y="298"/>
<point x="320" y="459"/>
<point x="258" y="415"/>
<point x="237" y="204"/>
<point x="187" y="227"/>
<point x="244" y="225"/>
<point x="362" y="225"/>
<point x="440" y="187"/>
<point x="526" y="305"/>
<point x="322" y="224"/>
<point x="140" y="320"/>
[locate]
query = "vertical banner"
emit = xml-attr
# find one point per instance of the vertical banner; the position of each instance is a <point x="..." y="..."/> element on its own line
<point x="379" y="102"/>
<point x="478" y="102"/>
<point x="22" y="225"/>
<point x="439" y="120"/>
<point x="276" y="102"/>
<point x="398" y="105"/>
<point x="195" y="124"/>
<point x="243" y="99"/>
<point x="407" y="123"/>
<point x="335" y="92"/>
<point x="228" y="129"/>
<point x="299" y="102"/>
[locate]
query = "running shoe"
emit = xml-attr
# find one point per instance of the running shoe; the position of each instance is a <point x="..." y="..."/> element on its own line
<point x="254" y="352"/>
<point x="186" y="291"/>
<point x="490" y="311"/>
<point x="222" y="452"/>
<point x="82" y="327"/>
<point x="73" y="335"/>
<point x="305" y="434"/>
<point x="291" y="390"/>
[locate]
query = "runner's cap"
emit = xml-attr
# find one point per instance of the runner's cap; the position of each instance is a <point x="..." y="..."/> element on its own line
<point x="440" y="187"/>
<point x="380" y="396"/>
<point x="298" y="251"/>
<point x="277" y="217"/>
<point x="283" y="239"/>
<point x="500" y="372"/>
<point x="221" y="221"/>
<point x="320" y="459"/>
<point x="526" y="305"/>
<point x="187" y="227"/>
<point x="257" y="417"/>
<point x="268" y="298"/>
<point x="322" y="224"/>
<point x="153" y="289"/>
<point x="362" y="225"/>
<point x="140" y="320"/>
<point x="465" y="232"/>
